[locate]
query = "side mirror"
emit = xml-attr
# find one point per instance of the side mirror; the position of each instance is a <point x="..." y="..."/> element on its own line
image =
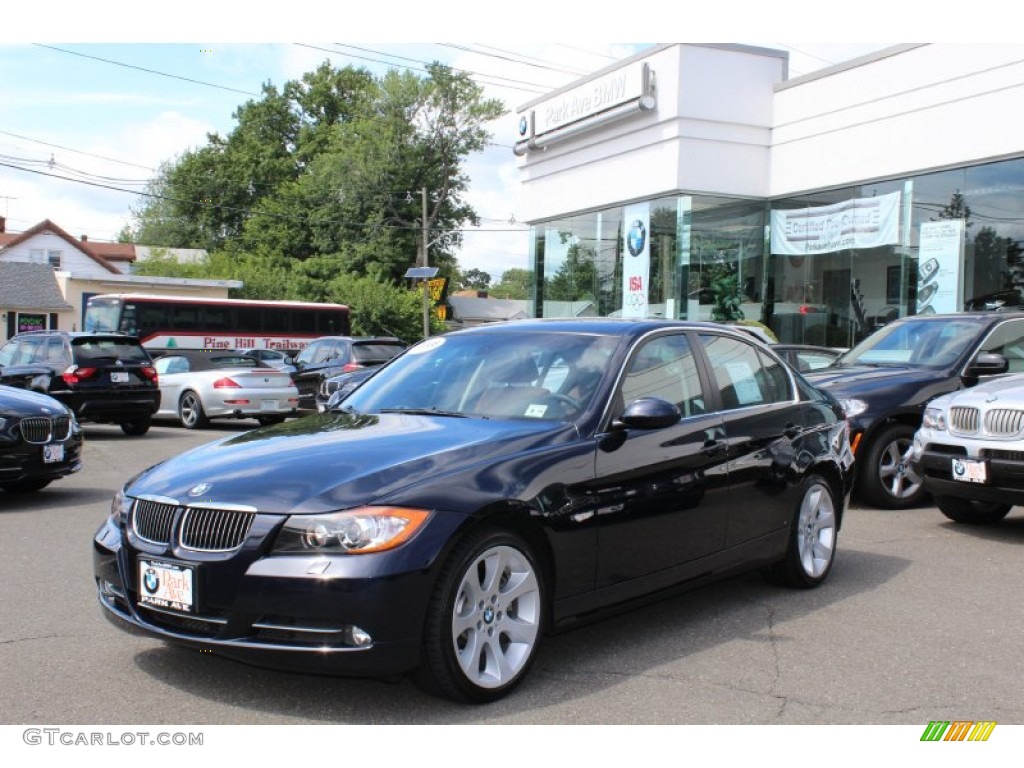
<point x="648" y="413"/>
<point x="987" y="364"/>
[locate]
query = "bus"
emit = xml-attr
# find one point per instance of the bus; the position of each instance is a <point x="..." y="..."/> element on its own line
<point x="189" y="322"/>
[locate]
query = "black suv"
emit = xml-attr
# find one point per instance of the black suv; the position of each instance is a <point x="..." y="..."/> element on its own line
<point x="885" y="382"/>
<point x="101" y="377"/>
<point x="331" y="355"/>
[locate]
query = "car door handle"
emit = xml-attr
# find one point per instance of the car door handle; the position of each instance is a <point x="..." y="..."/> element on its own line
<point x="713" y="448"/>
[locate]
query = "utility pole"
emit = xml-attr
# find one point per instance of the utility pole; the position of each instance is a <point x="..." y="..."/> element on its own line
<point x="426" y="263"/>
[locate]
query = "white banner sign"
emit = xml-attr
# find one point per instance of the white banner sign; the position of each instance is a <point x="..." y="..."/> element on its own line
<point x="636" y="266"/>
<point x="866" y="222"/>
<point x="938" y="269"/>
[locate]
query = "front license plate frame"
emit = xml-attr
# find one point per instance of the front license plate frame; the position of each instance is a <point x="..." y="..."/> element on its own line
<point x="167" y="586"/>
<point x="53" y="453"/>
<point x="969" y="470"/>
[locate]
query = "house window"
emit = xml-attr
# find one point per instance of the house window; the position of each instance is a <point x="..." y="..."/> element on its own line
<point x="37" y="256"/>
<point x="53" y="258"/>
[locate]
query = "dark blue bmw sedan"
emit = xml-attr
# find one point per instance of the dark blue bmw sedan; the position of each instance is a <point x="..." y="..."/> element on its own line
<point x="484" y="489"/>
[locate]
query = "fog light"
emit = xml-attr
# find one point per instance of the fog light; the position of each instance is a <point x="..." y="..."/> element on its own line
<point x="360" y="638"/>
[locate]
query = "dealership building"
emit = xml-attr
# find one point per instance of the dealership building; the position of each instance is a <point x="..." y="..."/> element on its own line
<point x="698" y="181"/>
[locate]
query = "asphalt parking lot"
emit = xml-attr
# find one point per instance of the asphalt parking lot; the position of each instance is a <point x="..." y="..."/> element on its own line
<point x="919" y="621"/>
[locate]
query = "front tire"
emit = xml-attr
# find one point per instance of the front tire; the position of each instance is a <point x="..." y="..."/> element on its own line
<point x="190" y="411"/>
<point x="485" y="621"/>
<point x="971" y="512"/>
<point x="812" y="540"/>
<point x="888" y="480"/>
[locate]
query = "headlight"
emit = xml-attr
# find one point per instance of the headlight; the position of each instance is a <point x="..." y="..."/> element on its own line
<point x="934" y="418"/>
<point x="852" y="407"/>
<point x="354" y="532"/>
<point x="120" y="506"/>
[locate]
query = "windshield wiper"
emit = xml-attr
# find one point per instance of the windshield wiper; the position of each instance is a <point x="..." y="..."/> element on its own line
<point x="427" y="412"/>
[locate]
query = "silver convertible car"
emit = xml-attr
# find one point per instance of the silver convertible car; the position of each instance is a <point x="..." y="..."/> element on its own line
<point x="199" y="385"/>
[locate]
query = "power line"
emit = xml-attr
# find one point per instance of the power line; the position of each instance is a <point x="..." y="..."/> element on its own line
<point x="76" y="151"/>
<point x="516" y="60"/>
<point x="144" y="69"/>
<point x="247" y="211"/>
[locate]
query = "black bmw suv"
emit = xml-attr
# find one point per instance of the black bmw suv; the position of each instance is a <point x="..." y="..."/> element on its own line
<point x="885" y="382"/>
<point x="102" y="377"/>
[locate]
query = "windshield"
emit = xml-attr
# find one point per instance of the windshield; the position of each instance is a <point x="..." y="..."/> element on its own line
<point x="925" y="343"/>
<point x="499" y="376"/>
<point x="102" y="316"/>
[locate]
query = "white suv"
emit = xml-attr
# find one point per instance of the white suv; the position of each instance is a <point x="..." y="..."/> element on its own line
<point x="970" y="450"/>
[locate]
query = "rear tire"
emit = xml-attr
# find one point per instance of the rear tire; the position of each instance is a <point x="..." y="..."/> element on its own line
<point x="190" y="411"/>
<point x="136" y="428"/>
<point x="485" y="620"/>
<point x="812" y="539"/>
<point x="25" y="486"/>
<point x="971" y="512"/>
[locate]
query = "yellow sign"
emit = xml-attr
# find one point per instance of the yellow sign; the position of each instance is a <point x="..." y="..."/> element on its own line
<point x="437" y="286"/>
<point x="441" y="311"/>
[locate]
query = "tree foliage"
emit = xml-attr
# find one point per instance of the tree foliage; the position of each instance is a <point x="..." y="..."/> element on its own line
<point x="514" y="284"/>
<point x="320" y="185"/>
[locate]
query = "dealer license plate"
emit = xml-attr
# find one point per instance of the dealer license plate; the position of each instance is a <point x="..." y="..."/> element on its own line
<point x="53" y="453"/>
<point x="268" y="405"/>
<point x="170" y="586"/>
<point x="969" y="471"/>
<point x="119" y="377"/>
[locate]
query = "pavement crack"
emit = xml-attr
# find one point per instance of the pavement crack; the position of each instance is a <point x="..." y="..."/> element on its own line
<point x="28" y="639"/>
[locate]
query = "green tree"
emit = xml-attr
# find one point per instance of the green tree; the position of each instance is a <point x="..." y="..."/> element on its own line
<point x="331" y="165"/>
<point x="514" y="284"/>
<point x="576" y="279"/>
<point x="474" y="280"/>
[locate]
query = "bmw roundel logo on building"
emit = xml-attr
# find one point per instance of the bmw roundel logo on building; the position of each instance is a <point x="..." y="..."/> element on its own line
<point x="523" y="125"/>
<point x="636" y="238"/>
<point x="151" y="581"/>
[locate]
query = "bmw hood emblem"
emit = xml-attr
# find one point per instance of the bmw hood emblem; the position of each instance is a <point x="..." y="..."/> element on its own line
<point x="199" y="490"/>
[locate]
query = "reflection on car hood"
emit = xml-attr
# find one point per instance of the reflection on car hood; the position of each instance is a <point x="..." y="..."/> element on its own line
<point x="337" y="460"/>
<point x="21" y="401"/>
<point x="855" y="380"/>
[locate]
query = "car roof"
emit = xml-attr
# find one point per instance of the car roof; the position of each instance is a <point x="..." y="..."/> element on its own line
<point x="605" y="326"/>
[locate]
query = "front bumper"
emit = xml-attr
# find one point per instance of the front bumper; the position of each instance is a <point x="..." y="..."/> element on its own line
<point x="359" y="616"/>
<point x="1004" y="470"/>
<point x="24" y="461"/>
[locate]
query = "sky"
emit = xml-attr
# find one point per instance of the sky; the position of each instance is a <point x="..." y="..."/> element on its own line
<point x="91" y="107"/>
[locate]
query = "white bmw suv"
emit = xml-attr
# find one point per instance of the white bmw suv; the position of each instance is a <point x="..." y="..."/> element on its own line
<point x="969" y="450"/>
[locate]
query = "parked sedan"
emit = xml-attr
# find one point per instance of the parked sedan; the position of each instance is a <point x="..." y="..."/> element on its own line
<point x="197" y="386"/>
<point x="970" y="451"/>
<point x="330" y="355"/>
<point x="485" y="488"/>
<point x="40" y="440"/>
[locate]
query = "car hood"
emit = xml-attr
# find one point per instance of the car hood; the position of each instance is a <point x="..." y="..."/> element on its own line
<point x="23" y="402"/>
<point x="856" y="381"/>
<point x="337" y="460"/>
<point x="1003" y="391"/>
